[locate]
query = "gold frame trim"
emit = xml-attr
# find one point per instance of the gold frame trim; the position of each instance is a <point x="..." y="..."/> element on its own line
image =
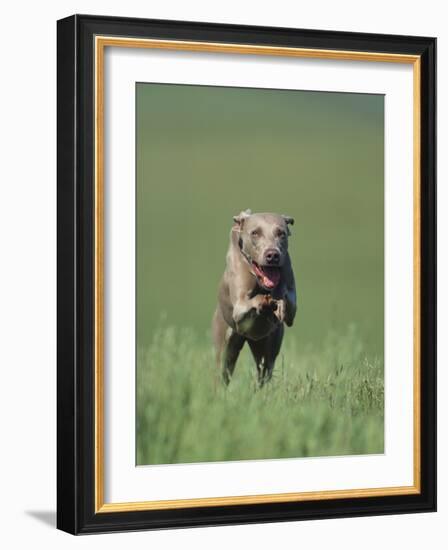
<point x="101" y="42"/>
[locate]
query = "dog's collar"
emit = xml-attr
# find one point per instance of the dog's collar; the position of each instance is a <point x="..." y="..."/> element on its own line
<point x="245" y="256"/>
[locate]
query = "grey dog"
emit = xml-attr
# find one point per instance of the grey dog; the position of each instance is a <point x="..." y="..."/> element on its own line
<point x="257" y="293"/>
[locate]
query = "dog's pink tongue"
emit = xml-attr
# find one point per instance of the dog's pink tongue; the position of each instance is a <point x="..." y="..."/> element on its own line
<point x="271" y="276"/>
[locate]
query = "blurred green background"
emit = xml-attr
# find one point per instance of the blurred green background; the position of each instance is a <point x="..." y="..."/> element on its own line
<point x="206" y="153"/>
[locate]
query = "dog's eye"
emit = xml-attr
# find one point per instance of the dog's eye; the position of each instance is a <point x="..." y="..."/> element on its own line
<point x="281" y="234"/>
<point x="255" y="233"/>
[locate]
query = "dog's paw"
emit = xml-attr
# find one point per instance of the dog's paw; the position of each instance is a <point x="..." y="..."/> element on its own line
<point x="264" y="303"/>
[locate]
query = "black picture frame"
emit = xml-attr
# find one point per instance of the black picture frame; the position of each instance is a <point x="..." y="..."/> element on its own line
<point x="76" y="264"/>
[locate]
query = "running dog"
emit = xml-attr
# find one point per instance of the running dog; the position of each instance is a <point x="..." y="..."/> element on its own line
<point x="257" y="294"/>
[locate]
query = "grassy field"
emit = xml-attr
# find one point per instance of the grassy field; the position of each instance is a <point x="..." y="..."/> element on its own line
<point x="321" y="402"/>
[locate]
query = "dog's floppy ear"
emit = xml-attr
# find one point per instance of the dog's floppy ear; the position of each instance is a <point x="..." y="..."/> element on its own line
<point x="243" y="215"/>
<point x="289" y="221"/>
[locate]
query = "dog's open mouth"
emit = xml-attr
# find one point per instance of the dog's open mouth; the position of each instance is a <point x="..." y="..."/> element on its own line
<point x="268" y="276"/>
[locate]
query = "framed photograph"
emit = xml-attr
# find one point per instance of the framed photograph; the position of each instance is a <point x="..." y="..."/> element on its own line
<point x="246" y="274"/>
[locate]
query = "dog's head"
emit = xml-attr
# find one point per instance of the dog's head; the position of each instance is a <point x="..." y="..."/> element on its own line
<point x="263" y="241"/>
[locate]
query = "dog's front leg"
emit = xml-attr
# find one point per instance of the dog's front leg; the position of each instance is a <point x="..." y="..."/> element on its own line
<point x="286" y="307"/>
<point x="290" y="306"/>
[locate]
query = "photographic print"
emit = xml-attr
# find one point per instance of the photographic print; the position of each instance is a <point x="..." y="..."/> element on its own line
<point x="246" y="274"/>
<point x="259" y="273"/>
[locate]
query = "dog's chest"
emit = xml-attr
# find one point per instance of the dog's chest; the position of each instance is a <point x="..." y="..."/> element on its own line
<point x="256" y="326"/>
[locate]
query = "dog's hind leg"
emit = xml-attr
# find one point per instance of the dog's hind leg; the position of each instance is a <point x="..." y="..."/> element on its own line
<point x="265" y="352"/>
<point x="219" y="329"/>
<point x="257" y="347"/>
<point x="232" y="348"/>
<point x="228" y="345"/>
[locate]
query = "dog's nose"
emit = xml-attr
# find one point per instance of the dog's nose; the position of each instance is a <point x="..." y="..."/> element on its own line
<point x="272" y="256"/>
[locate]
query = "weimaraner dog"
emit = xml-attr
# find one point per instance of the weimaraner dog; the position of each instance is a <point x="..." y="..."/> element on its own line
<point x="257" y="293"/>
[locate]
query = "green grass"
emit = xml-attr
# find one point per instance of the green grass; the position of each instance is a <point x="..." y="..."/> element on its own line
<point x="322" y="401"/>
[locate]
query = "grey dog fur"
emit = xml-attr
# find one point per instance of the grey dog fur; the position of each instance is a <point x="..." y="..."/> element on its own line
<point x="247" y="311"/>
